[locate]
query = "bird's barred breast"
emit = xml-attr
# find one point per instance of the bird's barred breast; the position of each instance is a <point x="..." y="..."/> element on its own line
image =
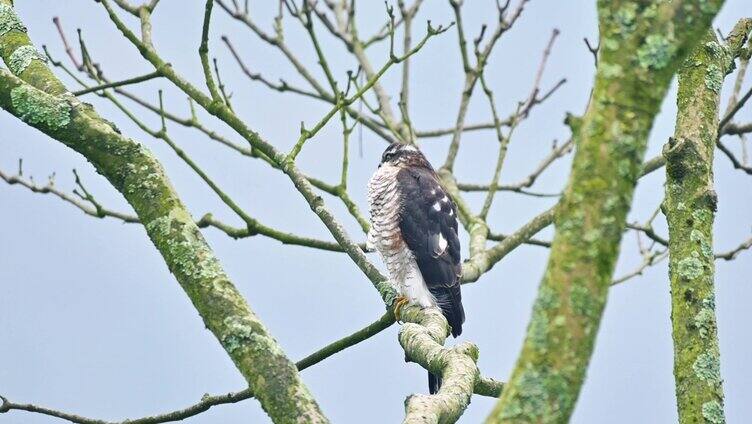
<point x="384" y="201"/>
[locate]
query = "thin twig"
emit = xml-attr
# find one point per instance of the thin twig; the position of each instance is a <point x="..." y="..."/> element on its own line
<point x="472" y="73"/>
<point x="732" y="254"/>
<point x="225" y="96"/>
<point x="648" y="231"/>
<point x="203" y="52"/>
<point x="592" y="49"/>
<point x="467" y="128"/>
<point x="522" y="111"/>
<point x="68" y="49"/>
<point x="527" y="182"/>
<point x="730" y="114"/>
<point x="131" y="81"/>
<point x="649" y="260"/>
<point x="306" y="134"/>
<point x="734" y="160"/>
<point x="94" y="210"/>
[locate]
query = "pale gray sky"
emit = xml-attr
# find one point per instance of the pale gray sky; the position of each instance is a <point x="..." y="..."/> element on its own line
<point x="93" y="323"/>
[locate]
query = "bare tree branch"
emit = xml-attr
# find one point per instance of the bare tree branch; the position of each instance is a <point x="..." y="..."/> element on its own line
<point x="132" y="170"/>
<point x="288" y="166"/>
<point x="472" y="73"/>
<point x="641" y="75"/>
<point x="631" y="82"/>
<point x="690" y="207"/>
<point x="733" y="253"/>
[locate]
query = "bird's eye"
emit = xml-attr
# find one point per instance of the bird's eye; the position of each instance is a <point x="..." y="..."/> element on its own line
<point x="388" y="156"/>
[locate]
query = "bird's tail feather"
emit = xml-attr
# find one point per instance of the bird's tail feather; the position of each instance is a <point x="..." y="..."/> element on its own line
<point x="434" y="383"/>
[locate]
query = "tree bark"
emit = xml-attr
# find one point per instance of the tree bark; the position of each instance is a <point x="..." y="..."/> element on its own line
<point x="37" y="97"/>
<point x="689" y="207"/>
<point x="642" y="45"/>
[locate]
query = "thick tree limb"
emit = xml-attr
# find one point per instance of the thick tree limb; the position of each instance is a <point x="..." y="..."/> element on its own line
<point x="643" y="43"/>
<point x="689" y="208"/>
<point x="37" y="97"/>
<point x="422" y="336"/>
<point x="424" y="333"/>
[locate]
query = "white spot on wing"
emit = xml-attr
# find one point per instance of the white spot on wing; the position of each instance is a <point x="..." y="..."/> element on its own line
<point x="442" y="243"/>
<point x="433" y="191"/>
<point x="444" y="199"/>
<point x="451" y="212"/>
<point x="437" y="206"/>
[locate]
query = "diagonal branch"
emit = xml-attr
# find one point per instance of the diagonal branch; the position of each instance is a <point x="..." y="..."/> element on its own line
<point x="288" y="166"/>
<point x="555" y="153"/>
<point x="522" y="111"/>
<point x="733" y="253"/>
<point x="135" y="80"/>
<point x="635" y="68"/>
<point x="89" y="208"/>
<point x="37" y="97"/>
<point x="371" y="83"/>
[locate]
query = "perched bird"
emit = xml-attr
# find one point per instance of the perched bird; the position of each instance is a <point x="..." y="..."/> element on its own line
<point x="414" y="228"/>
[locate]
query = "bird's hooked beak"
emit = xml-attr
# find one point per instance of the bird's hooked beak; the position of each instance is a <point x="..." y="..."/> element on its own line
<point x="380" y="163"/>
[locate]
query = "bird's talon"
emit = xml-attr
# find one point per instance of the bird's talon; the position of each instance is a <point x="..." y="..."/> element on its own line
<point x="398" y="304"/>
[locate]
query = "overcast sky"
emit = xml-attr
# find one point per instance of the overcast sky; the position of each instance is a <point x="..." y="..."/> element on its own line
<point x="92" y="322"/>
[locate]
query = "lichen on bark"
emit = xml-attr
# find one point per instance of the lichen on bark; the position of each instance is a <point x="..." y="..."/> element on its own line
<point x="643" y="43"/>
<point x="37" y="97"/>
<point x="9" y="20"/>
<point x="422" y="337"/>
<point x="35" y="107"/>
<point x="21" y="58"/>
<point x="689" y="206"/>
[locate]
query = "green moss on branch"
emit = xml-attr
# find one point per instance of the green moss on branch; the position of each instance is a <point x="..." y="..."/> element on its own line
<point x="689" y="207"/>
<point x="9" y="20"/>
<point x="422" y="336"/>
<point x="21" y="58"/>
<point x="35" y="107"/>
<point x="643" y="43"/>
<point x="133" y="171"/>
<point x="39" y="99"/>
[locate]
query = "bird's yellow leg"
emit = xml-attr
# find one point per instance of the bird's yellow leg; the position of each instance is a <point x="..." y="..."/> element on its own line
<point x="398" y="304"/>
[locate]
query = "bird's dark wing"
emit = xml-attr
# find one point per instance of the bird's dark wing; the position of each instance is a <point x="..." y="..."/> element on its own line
<point x="428" y="222"/>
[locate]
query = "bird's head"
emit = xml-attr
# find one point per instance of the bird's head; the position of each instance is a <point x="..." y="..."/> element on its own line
<point x="398" y="154"/>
